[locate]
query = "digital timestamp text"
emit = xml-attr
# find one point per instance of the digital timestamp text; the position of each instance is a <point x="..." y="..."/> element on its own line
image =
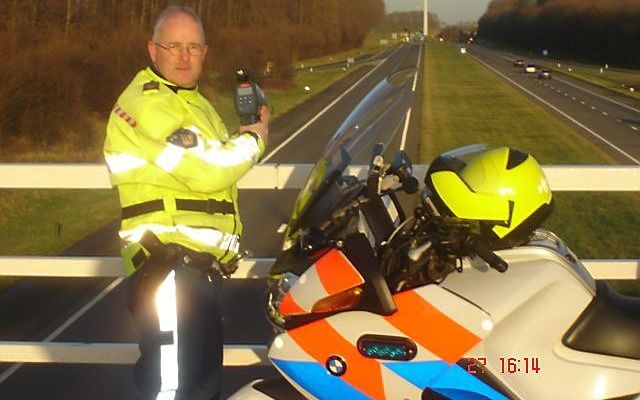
<point x="508" y="365"/>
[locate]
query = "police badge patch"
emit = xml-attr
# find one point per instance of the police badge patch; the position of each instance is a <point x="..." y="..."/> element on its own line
<point x="184" y="138"/>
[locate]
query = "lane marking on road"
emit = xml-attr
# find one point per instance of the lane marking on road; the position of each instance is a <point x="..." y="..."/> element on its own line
<point x="540" y="99"/>
<point x="634" y="128"/>
<point x="580" y="88"/>
<point x="321" y="113"/>
<point x="604" y="113"/>
<point x="405" y="130"/>
<point x="11" y="370"/>
<point x="600" y="96"/>
<point x="594" y="108"/>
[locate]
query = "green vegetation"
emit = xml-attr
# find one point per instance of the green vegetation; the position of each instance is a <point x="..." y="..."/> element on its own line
<point x="466" y="103"/>
<point x="64" y="63"/>
<point x="601" y="31"/>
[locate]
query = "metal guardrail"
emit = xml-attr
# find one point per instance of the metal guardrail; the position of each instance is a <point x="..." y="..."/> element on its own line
<point x="267" y="176"/>
<point x="624" y="178"/>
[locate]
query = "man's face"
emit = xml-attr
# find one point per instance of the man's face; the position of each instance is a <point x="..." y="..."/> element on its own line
<point x="182" y="69"/>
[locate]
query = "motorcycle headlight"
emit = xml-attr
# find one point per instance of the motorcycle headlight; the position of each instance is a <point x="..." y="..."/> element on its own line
<point x="276" y="290"/>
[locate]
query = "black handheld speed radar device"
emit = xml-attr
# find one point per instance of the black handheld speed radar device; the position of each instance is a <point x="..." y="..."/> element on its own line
<point x="248" y="98"/>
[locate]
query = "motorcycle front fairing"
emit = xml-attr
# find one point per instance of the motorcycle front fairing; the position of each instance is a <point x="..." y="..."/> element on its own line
<point x="377" y="119"/>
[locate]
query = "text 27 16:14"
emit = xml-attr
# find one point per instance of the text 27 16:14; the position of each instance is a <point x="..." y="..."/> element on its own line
<point x="509" y="365"/>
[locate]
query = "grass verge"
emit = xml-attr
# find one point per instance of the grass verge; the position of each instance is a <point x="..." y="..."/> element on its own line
<point x="466" y="103"/>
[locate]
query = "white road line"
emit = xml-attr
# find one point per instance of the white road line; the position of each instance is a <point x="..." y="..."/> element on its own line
<point x="581" y="88"/>
<point x="600" y="96"/>
<point x="415" y="78"/>
<point x="634" y="128"/>
<point x="403" y="140"/>
<point x="6" y="374"/>
<point x="594" y="108"/>
<point x="312" y="120"/>
<point x="559" y="111"/>
<point x="604" y="113"/>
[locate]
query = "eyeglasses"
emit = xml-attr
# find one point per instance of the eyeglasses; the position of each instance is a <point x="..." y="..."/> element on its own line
<point x="176" y="49"/>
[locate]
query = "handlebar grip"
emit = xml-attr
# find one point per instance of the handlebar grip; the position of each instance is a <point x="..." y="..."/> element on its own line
<point x="495" y="261"/>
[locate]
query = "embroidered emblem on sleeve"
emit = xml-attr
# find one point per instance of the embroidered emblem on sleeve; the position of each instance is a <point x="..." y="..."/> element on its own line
<point x="184" y="138"/>
<point x="126" y="117"/>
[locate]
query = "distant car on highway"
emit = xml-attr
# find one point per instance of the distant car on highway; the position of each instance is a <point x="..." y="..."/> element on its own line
<point x="530" y="69"/>
<point x="544" y="74"/>
<point x="518" y="63"/>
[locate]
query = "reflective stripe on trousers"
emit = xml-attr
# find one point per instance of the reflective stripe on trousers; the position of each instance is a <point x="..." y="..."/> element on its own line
<point x="180" y="336"/>
<point x="165" y="302"/>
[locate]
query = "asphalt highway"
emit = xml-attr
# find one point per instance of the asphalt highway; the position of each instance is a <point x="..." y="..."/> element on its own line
<point x="34" y="308"/>
<point x="608" y="119"/>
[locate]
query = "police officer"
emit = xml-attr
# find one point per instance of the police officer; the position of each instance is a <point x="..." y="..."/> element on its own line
<point x="176" y="167"/>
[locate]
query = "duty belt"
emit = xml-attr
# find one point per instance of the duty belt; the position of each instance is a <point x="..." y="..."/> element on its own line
<point x="176" y="255"/>
<point x="209" y="206"/>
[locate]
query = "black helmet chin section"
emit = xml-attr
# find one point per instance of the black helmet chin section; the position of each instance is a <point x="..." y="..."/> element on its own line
<point x="520" y="235"/>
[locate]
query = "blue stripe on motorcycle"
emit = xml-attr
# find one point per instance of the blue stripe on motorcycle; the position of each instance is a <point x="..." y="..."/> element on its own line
<point x="316" y="380"/>
<point x="449" y="380"/>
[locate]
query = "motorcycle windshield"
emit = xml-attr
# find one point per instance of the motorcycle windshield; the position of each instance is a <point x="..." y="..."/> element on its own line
<point x="378" y="118"/>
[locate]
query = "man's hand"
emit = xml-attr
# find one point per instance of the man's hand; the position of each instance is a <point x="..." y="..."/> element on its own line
<point x="261" y="127"/>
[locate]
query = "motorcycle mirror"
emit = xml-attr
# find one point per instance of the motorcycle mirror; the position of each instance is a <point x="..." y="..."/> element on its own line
<point x="410" y="185"/>
<point x="376" y="152"/>
<point x="402" y="167"/>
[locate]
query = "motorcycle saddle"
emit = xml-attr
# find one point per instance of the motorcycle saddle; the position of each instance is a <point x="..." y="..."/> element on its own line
<point x="609" y="325"/>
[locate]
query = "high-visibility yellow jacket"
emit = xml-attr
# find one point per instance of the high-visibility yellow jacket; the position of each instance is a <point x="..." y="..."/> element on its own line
<point x="176" y="167"/>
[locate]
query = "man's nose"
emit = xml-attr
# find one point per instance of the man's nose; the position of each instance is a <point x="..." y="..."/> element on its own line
<point x="184" y="54"/>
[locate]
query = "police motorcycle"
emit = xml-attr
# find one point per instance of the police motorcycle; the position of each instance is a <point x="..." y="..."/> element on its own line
<point x="463" y="298"/>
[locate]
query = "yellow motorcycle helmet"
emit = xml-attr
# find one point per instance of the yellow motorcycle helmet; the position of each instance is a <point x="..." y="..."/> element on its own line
<point x="504" y="189"/>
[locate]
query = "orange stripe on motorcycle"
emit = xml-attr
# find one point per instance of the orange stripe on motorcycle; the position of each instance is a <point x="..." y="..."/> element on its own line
<point x="337" y="273"/>
<point x="428" y="326"/>
<point x="288" y="306"/>
<point x="321" y="341"/>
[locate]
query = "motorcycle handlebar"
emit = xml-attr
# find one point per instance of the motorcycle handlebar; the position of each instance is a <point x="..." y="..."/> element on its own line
<point x="486" y="254"/>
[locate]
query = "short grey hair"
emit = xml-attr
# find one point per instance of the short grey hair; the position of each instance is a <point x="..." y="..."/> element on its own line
<point x="170" y="12"/>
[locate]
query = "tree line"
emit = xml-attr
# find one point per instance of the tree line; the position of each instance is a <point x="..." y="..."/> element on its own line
<point x="65" y="61"/>
<point x="602" y="31"/>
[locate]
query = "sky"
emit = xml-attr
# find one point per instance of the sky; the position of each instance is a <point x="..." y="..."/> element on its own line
<point x="448" y="11"/>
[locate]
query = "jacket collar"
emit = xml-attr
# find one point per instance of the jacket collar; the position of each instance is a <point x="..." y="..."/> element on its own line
<point x="156" y="75"/>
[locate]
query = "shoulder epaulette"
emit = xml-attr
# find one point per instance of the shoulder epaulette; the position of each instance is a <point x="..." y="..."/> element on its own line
<point x="150" y="87"/>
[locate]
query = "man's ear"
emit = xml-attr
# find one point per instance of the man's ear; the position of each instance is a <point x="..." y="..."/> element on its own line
<point x="153" y="51"/>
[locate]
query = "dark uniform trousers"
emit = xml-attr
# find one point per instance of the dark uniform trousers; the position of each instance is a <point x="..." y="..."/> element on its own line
<point x="199" y="326"/>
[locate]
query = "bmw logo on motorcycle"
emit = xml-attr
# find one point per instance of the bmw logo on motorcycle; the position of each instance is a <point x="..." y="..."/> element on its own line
<point x="336" y="366"/>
